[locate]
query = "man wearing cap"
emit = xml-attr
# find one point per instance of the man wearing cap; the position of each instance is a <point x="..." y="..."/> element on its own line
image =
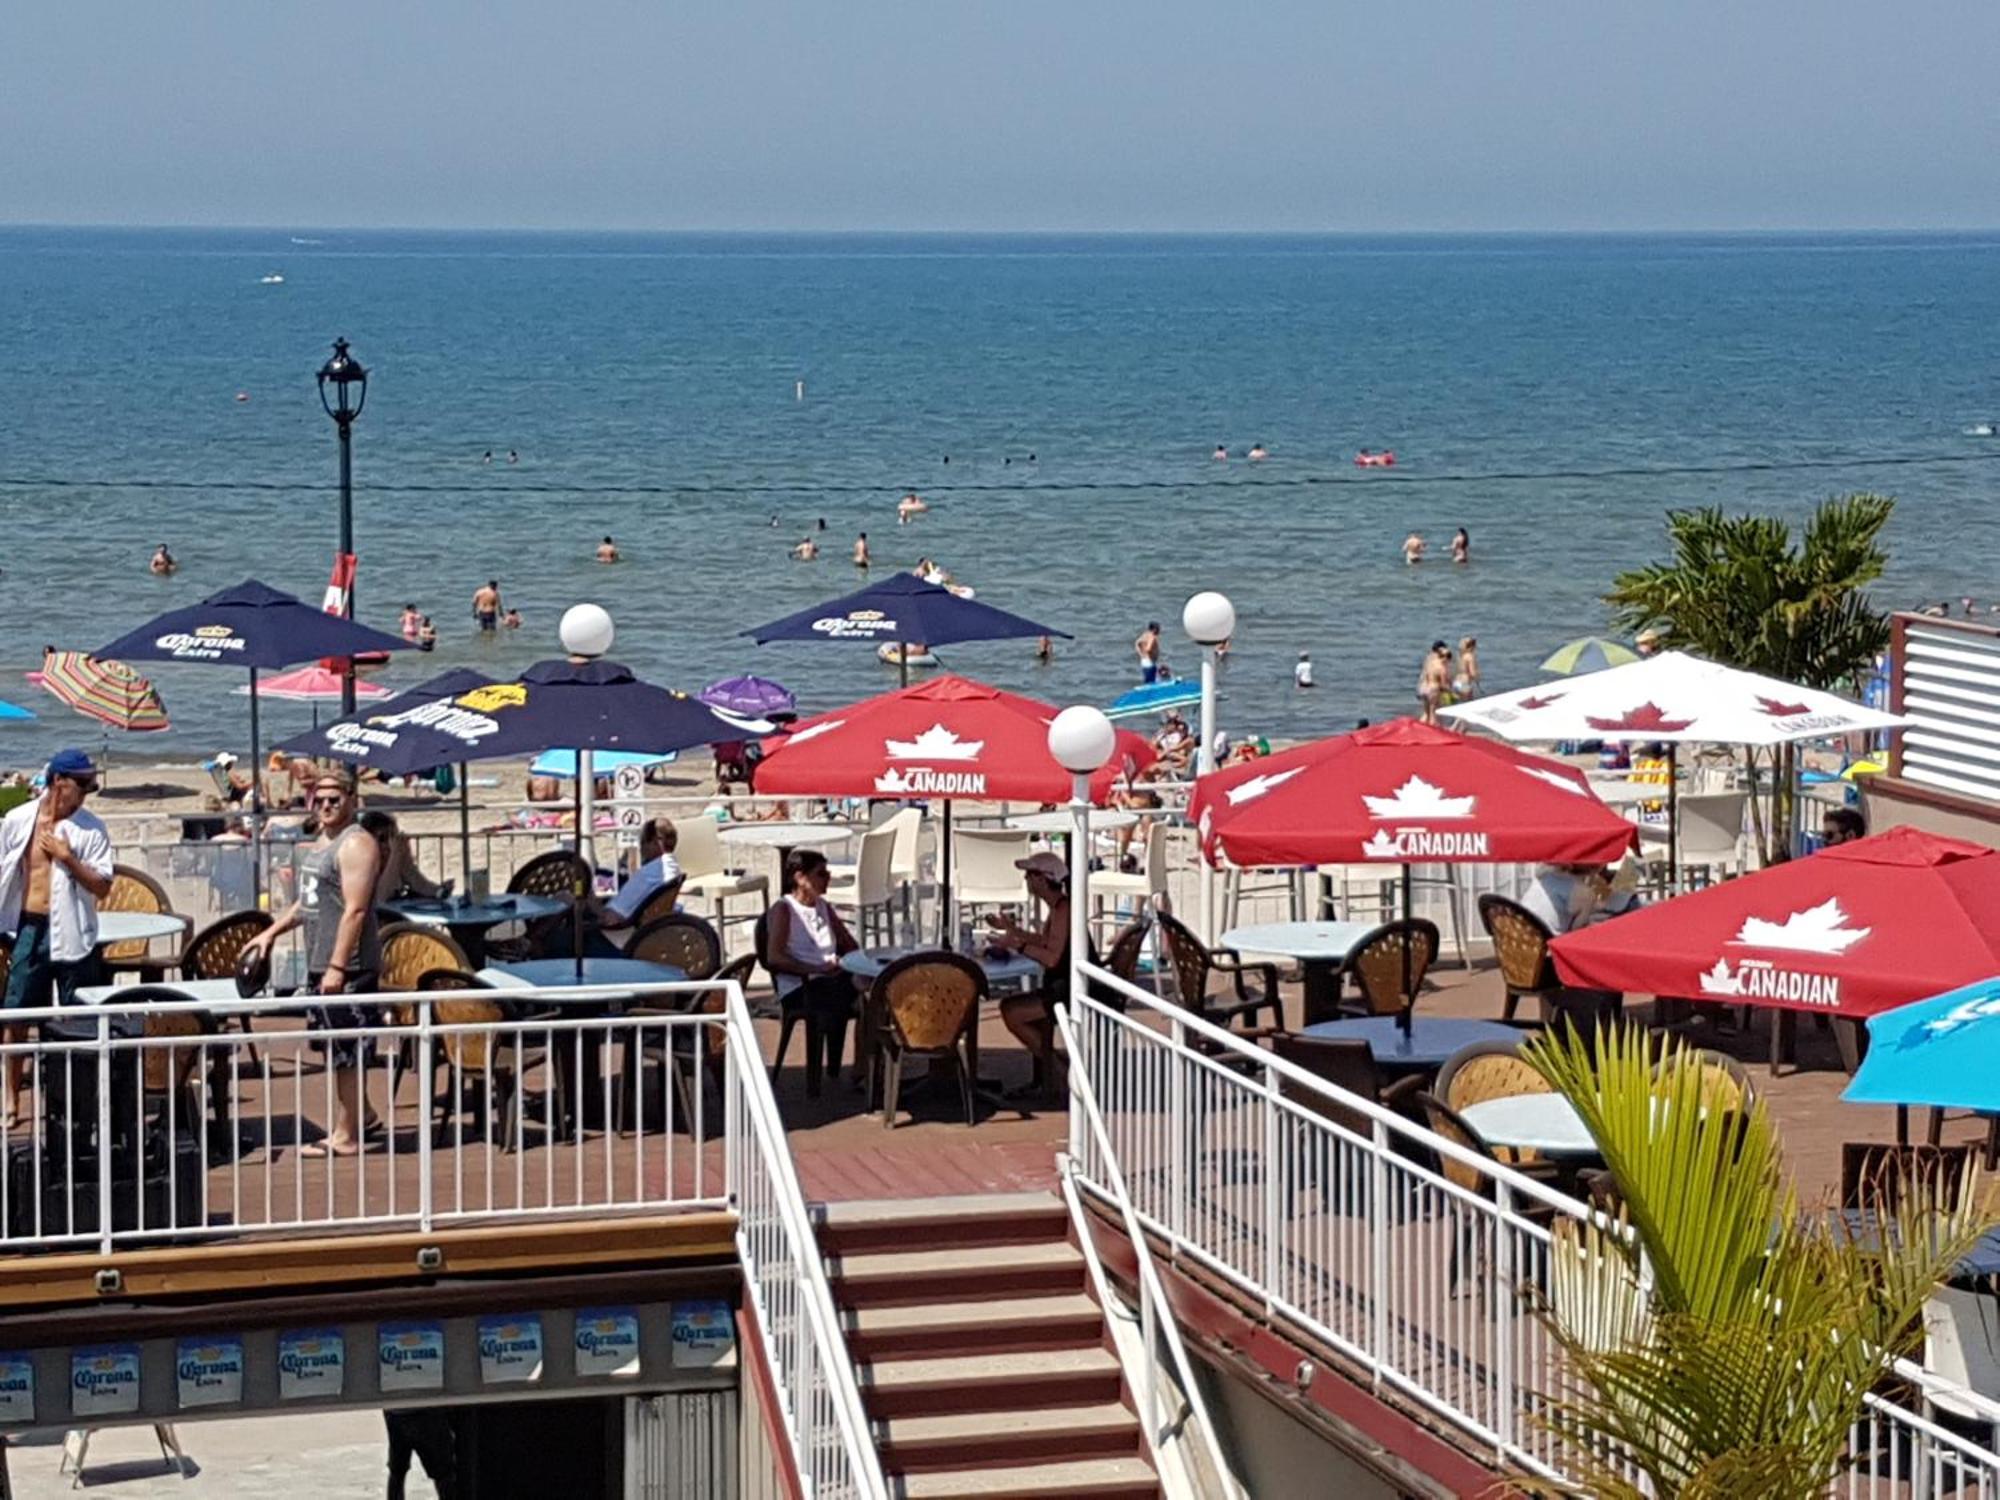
<point x="55" y="866"/>
<point x="1031" y="1017"/>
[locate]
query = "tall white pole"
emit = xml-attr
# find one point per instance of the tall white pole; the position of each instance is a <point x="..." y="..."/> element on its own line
<point x="1204" y="763"/>
<point x="1079" y="878"/>
<point x="586" y="817"/>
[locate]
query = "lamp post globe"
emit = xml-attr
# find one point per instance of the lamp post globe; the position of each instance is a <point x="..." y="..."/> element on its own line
<point x="1081" y="739"/>
<point x="343" y="390"/>
<point x="1209" y="618"/>
<point x="586" y="630"/>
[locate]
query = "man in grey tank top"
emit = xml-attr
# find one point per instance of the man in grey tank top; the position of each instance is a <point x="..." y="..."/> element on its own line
<point x="336" y="905"/>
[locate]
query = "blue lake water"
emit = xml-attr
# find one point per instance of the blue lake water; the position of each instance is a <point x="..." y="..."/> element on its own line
<point x="648" y="386"/>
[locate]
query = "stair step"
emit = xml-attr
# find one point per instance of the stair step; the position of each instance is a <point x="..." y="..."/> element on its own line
<point x="985" y="1219"/>
<point x="986" y="1382"/>
<point x="1084" y="1479"/>
<point x="984" y="1439"/>
<point x="877" y="1279"/>
<point x="991" y="1327"/>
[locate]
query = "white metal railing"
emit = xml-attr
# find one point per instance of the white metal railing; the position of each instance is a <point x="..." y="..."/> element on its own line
<point x="1419" y="1260"/>
<point x="1947" y="681"/>
<point x="1897" y="1451"/>
<point x="184" y="1121"/>
<point x="1157" y="1324"/>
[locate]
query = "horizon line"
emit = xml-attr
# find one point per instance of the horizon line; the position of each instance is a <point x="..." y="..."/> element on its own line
<point x="1570" y="231"/>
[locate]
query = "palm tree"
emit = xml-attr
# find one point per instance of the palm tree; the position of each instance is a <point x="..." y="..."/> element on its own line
<point x="1719" y="1342"/>
<point x="1738" y="590"/>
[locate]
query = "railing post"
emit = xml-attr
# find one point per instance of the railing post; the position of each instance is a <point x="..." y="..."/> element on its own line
<point x="426" y="1074"/>
<point x="1503" y="1317"/>
<point x="1378" y="1249"/>
<point x="105" y="1217"/>
<point x="1180" y="1124"/>
<point x="1277" y="1188"/>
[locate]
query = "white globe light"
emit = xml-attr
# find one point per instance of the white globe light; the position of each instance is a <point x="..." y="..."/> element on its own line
<point x="1209" y="618"/>
<point x="586" y="630"/>
<point x="1081" y="739"/>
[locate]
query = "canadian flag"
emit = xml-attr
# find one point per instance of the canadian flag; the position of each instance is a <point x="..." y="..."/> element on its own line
<point x="335" y="603"/>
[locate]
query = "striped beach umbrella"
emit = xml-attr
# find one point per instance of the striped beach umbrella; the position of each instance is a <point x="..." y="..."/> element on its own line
<point x="1588" y="653"/>
<point x="107" y="691"/>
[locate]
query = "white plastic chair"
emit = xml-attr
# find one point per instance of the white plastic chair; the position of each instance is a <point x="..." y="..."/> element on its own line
<point x="1144" y="888"/>
<point x="700" y="856"/>
<point x="871" y="894"/>
<point x="1711" y="832"/>
<point x="1962" y="1345"/>
<point x="982" y="867"/>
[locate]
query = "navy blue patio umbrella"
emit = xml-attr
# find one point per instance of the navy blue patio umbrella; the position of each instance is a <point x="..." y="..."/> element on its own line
<point x="254" y="627"/>
<point x="901" y="610"/>
<point x="321" y="743"/>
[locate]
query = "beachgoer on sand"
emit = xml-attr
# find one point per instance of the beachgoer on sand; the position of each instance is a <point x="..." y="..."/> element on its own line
<point x="1433" y="680"/>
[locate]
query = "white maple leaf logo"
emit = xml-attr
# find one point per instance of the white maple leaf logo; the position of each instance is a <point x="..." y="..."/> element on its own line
<point x="1555" y="779"/>
<point x="1257" y="786"/>
<point x="1417" y="798"/>
<point x="935" y="743"/>
<point x="1818" y="929"/>
<point x="1721" y="980"/>
<point x="1382" y="846"/>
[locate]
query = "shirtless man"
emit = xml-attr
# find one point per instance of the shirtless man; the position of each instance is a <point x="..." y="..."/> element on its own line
<point x="1413" y="549"/>
<point x="486" y="604"/>
<point x="607" y="551"/>
<point x="1433" y="679"/>
<point x="806" y="551"/>
<point x="55" y="866"/>
<point x="163" y="564"/>
<point x="861" y="550"/>
<point x="1147" y="647"/>
<point x="910" y="505"/>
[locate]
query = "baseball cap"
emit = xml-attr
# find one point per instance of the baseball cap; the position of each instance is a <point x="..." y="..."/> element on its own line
<point x="1044" y="864"/>
<point x="74" y="764"/>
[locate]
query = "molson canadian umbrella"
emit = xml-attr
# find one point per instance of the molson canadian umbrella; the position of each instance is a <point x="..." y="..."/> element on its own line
<point x="899" y="611"/>
<point x="948" y="738"/>
<point x="1851" y="931"/>
<point x="107" y="691"/>
<point x="1404" y="793"/>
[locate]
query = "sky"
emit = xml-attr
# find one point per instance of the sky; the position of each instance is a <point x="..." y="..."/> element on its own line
<point x="1002" y="114"/>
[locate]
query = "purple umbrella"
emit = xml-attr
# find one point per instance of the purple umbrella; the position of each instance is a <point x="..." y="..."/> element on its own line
<point x="753" y="697"/>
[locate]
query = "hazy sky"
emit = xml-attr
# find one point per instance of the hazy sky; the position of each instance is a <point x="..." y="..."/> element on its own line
<point x="1010" y="114"/>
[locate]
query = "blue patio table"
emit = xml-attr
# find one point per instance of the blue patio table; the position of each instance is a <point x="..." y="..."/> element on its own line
<point x="1423" y="1048"/>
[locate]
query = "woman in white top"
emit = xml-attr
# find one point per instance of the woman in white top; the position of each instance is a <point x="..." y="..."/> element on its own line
<point x="804" y="939"/>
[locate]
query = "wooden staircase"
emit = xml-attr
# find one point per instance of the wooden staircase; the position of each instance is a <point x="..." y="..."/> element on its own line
<point x="983" y="1361"/>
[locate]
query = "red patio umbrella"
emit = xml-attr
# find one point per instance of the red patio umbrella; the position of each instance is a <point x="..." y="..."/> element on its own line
<point x="1849" y="931"/>
<point x="948" y="738"/>
<point x="1402" y="793"/>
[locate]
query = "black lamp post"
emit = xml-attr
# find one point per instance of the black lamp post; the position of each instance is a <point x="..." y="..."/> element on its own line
<point x="343" y="388"/>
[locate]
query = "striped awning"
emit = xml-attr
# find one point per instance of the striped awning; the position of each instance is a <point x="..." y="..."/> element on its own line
<point x="107" y="691"/>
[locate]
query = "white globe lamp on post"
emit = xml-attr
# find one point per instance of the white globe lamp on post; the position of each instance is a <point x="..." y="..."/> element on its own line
<point x="586" y="633"/>
<point x="1209" y="619"/>
<point x="1081" y="740"/>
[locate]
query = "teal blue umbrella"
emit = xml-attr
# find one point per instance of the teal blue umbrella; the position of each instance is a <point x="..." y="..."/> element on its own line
<point x="1943" y="1052"/>
<point x="15" y="711"/>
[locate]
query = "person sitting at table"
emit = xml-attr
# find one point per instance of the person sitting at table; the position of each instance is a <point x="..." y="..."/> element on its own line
<point x="657" y="869"/>
<point x="1031" y="1018"/>
<point x="400" y="876"/>
<point x="804" y="943"/>
<point x="1565" y="897"/>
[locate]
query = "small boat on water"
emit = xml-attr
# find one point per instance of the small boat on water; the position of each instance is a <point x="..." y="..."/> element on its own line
<point x="892" y="653"/>
<point x="274" y="279"/>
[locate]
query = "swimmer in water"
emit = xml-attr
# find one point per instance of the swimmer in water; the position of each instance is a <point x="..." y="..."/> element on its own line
<point x="486" y="604"/>
<point x="163" y="564"/>
<point x="511" y="620"/>
<point x="1461" y="546"/>
<point x="911" y="504"/>
<point x="513" y="457"/>
<point x="1221" y="454"/>
<point x="487" y="457"/>
<point x="427" y="635"/>
<point x="1258" y="453"/>
<point x="607" y="551"/>
<point x="413" y="621"/>
<point x="806" y="550"/>
<point x="861" y="550"/>
<point x="1045" y="650"/>
<point x="1413" y="549"/>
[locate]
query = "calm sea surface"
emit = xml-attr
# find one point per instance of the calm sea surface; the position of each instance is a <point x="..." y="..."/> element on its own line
<point x="647" y="384"/>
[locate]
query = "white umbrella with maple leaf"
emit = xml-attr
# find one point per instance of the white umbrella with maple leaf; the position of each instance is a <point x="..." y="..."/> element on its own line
<point x="1672" y="698"/>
